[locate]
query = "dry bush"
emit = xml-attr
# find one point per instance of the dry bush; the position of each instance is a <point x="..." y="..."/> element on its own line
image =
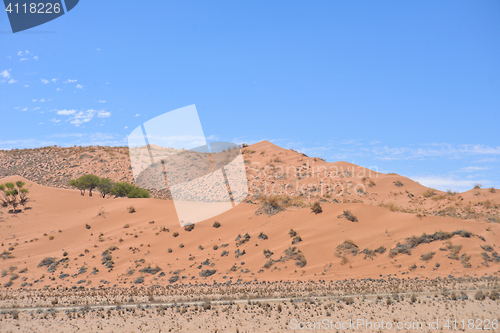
<point x="429" y="193"/>
<point x="316" y="208"/>
<point x="427" y="256"/>
<point x="350" y="216"/>
<point x="216" y="224"/>
<point x="189" y="227"/>
<point x="398" y="183"/>
<point x="131" y="209"/>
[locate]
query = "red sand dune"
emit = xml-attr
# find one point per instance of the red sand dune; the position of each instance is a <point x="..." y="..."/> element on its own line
<point x="143" y="238"/>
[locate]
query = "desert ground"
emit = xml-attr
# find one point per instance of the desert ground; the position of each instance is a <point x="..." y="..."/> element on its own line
<point x="382" y="247"/>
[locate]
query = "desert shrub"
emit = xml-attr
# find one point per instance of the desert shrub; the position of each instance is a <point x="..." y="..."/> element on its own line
<point x="181" y="245"/>
<point x="429" y="193"/>
<point x="398" y="183"/>
<point x="169" y="250"/>
<point x="292" y="233"/>
<point x="268" y="253"/>
<point x="175" y="234"/>
<point x="262" y="236"/>
<point x="350" y="216"/>
<point x="347" y="247"/>
<point x="242" y="240"/>
<point x="269" y="263"/>
<point x="126" y="226"/>
<point x="51" y="237"/>
<point x="413" y="298"/>
<point x="139" y="279"/>
<point x="207" y="272"/>
<point x="412" y="267"/>
<point x="216" y="224"/>
<point x="224" y="253"/>
<point x="479" y="295"/>
<point x="316" y="208"/>
<point x="189" y="227"/>
<point x="438" y="265"/>
<point x="380" y="250"/>
<point x="371" y="183"/>
<point x="494" y="295"/>
<point x="296" y="240"/>
<point x="215" y="247"/>
<point x="13" y="195"/>
<point x="487" y="248"/>
<point x="427" y="256"/>
<point x="492" y="190"/>
<point x="131" y="209"/>
<point x="477" y="186"/>
<point x="368" y="253"/>
<point x="464" y="259"/>
<point x="344" y="260"/>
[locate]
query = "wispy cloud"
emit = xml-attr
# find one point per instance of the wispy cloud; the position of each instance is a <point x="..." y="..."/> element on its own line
<point x="66" y="112"/>
<point x="79" y="86"/>
<point x="69" y="81"/>
<point x="101" y="101"/>
<point x="45" y="81"/>
<point x="472" y="169"/>
<point x="446" y="182"/>
<point x="103" y="114"/>
<point x="12" y="81"/>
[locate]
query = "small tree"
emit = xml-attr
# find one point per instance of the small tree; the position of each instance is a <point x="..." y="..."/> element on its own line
<point x="90" y="182"/>
<point x="105" y="186"/>
<point x="78" y="184"/>
<point x="13" y="195"/>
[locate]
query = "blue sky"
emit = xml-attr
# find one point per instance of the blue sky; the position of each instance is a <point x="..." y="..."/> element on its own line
<point x="405" y="87"/>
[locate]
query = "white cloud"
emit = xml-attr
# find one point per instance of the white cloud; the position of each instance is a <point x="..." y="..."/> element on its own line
<point x="36" y="108"/>
<point x="20" y="53"/>
<point x="54" y="80"/>
<point x="137" y="115"/>
<point x="69" y="81"/>
<point x="473" y="169"/>
<point x="35" y="57"/>
<point x="25" y="109"/>
<point x="79" y="86"/>
<point x="24" y="59"/>
<point x="82" y="117"/>
<point x="26" y="86"/>
<point x="12" y="81"/>
<point x="445" y="183"/>
<point x="35" y="100"/>
<point x="66" y="112"/>
<point x="45" y="81"/>
<point x="101" y="101"/>
<point x="58" y="89"/>
<point x="55" y="120"/>
<point x="126" y="127"/>
<point x="42" y="100"/>
<point x="5" y="74"/>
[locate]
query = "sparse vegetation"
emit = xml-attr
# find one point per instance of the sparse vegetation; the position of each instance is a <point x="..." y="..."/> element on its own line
<point x="131" y="209"/>
<point x="189" y="227"/>
<point x="429" y="193"/>
<point x="216" y="224"/>
<point x="398" y="183"/>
